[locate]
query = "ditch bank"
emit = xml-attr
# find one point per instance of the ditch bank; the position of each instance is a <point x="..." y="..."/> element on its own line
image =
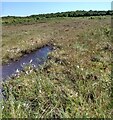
<point x="34" y="58"/>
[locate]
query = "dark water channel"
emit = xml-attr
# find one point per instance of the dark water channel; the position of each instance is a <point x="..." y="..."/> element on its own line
<point x="35" y="59"/>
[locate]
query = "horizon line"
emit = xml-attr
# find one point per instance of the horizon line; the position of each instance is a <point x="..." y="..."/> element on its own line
<point x="49" y="13"/>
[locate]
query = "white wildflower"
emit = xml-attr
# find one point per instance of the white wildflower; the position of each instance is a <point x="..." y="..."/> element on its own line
<point x="30" y="71"/>
<point x="76" y="94"/>
<point x="2" y="107"/>
<point x="39" y="91"/>
<point x="27" y="72"/>
<point x="82" y="69"/>
<point x="78" y="66"/>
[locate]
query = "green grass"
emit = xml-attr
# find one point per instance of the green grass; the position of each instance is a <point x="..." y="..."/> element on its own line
<point x="74" y="82"/>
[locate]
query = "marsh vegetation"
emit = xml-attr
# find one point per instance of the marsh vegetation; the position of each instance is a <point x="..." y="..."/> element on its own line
<point x="75" y="81"/>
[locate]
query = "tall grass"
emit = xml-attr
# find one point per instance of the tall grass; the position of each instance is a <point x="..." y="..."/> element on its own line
<point x="74" y="82"/>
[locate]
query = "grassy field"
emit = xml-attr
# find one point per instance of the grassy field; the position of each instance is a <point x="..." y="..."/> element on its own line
<point x="74" y="82"/>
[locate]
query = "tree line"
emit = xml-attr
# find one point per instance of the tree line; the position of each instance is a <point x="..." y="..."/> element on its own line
<point x="34" y="18"/>
<point x="75" y="14"/>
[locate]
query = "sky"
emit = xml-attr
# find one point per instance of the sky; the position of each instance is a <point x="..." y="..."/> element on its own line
<point x="31" y="8"/>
